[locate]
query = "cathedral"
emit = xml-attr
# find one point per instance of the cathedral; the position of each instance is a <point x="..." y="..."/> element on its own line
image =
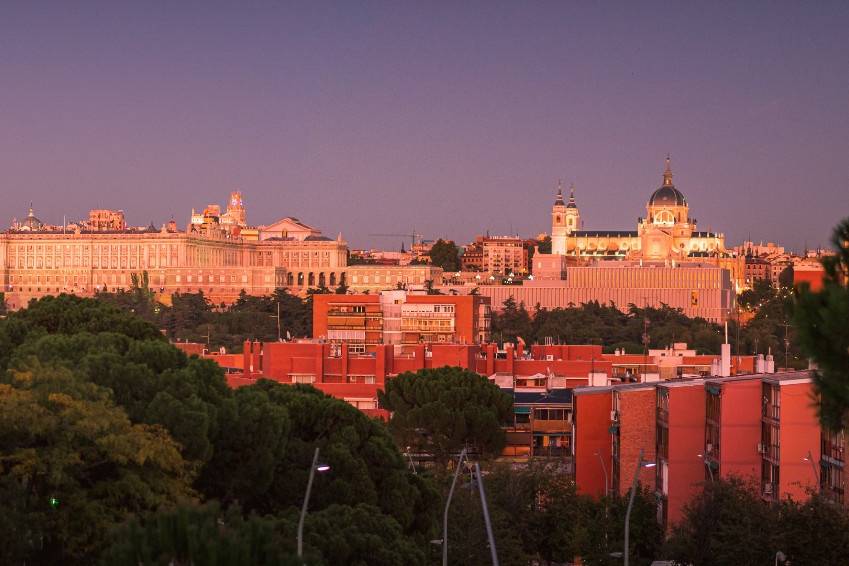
<point x="666" y="234"/>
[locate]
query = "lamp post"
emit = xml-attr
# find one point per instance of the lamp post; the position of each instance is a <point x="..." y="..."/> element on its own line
<point x="493" y="554"/>
<point x="447" y="504"/>
<point x="640" y="464"/>
<point x="708" y="466"/>
<point x="604" y="470"/>
<point x="316" y="467"/>
<point x="810" y="458"/>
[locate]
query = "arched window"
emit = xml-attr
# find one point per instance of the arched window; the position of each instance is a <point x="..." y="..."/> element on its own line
<point x="332" y="279"/>
<point x="664" y="217"/>
<point x="290" y="279"/>
<point x="300" y="279"/>
<point x="321" y="280"/>
<point x="311" y="279"/>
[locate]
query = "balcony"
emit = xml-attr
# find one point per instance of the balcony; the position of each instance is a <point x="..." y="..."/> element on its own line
<point x="551" y="451"/>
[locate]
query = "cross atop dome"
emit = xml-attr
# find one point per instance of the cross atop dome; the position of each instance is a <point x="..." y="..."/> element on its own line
<point x="667" y="173"/>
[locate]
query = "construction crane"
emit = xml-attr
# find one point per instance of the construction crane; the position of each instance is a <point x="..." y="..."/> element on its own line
<point x="414" y="237"/>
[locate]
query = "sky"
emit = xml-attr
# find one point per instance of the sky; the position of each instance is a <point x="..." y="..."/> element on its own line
<point x="448" y="118"/>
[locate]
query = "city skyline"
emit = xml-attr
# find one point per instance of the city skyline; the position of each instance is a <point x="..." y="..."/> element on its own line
<point x="450" y="121"/>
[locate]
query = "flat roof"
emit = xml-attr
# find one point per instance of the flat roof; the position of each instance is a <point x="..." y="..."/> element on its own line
<point x="789" y="377"/>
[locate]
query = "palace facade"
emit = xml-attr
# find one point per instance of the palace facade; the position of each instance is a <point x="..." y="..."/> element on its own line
<point x="217" y="253"/>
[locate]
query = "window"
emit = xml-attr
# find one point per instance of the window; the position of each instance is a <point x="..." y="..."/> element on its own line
<point x="356" y="348"/>
<point x="550" y="414"/>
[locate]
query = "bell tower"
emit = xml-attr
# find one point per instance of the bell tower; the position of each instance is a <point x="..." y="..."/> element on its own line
<point x="573" y="215"/>
<point x="559" y="229"/>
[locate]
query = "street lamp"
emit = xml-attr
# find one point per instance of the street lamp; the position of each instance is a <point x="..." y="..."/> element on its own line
<point x="604" y="470"/>
<point x="640" y="464"/>
<point x="447" y="504"/>
<point x="492" y="552"/>
<point x="316" y="467"/>
<point x="707" y="465"/>
<point x="810" y="458"/>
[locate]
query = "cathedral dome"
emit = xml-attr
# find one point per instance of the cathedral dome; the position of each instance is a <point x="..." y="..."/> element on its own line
<point x="31" y="222"/>
<point x="667" y="194"/>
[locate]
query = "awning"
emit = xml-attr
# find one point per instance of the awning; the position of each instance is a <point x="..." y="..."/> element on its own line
<point x="522" y="410"/>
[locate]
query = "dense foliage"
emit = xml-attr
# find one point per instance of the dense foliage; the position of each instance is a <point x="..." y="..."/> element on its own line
<point x="539" y="518"/>
<point x="606" y="325"/>
<point x="445" y="254"/>
<point x="101" y="420"/>
<point x="729" y="524"/>
<point x="822" y="320"/>
<point x="191" y="317"/>
<point x="441" y="411"/>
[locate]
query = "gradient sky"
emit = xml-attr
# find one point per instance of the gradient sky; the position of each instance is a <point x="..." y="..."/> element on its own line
<point x="452" y="118"/>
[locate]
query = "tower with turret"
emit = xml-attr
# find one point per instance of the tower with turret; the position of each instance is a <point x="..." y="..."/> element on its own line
<point x="558" y="224"/>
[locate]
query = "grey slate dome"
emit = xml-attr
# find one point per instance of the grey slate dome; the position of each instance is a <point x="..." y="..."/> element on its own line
<point x="31" y="222"/>
<point x="667" y="194"/>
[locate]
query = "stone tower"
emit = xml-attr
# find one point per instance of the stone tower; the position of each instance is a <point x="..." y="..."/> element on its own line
<point x="573" y="215"/>
<point x="559" y="229"/>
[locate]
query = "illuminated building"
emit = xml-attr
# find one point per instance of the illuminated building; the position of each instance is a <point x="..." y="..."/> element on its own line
<point x="217" y="254"/>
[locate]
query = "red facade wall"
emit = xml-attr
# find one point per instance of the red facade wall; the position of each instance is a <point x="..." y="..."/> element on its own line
<point x="686" y="442"/>
<point x="637" y="424"/>
<point x="740" y="429"/>
<point x="800" y="433"/>
<point x="591" y="436"/>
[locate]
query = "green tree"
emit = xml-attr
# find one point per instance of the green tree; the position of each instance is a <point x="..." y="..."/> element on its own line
<point x="76" y="465"/>
<point x="361" y="535"/>
<point x="440" y="411"/>
<point x="251" y="443"/>
<point x="512" y="323"/>
<point x="544" y="245"/>
<point x="727" y="523"/>
<point x="204" y="535"/>
<point x="821" y="321"/>
<point x="367" y="467"/>
<point x="445" y="254"/>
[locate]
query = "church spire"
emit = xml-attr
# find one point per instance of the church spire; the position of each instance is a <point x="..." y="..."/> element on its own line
<point x="572" y="196"/>
<point x="667" y="173"/>
<point x="559" y="200"/>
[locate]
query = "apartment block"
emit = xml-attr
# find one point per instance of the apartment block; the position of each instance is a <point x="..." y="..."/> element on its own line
<point x="732" y="427"/>
<point x="680" y="438"/>
<point x="790" y="437"/>
<point x="399" y="318"/>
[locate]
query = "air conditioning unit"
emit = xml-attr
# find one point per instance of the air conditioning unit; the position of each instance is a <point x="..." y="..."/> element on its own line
<point x="708" y="448"/>
<point x="549" y="357"/>
<point x="761" y="448"/>
<point x="614" y="416"/>
<point x="767" y="489"/>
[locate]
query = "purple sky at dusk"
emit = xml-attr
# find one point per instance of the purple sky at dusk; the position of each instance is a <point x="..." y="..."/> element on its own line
<point x="452" y="118"/>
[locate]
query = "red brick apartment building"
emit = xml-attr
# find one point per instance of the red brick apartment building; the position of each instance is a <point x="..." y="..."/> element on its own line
<point x="732" y="427"/>
<point x="567" y="407"/>
<point x="612" y="425"/>
<point x="790" y="437"/>
<point x="680" y="434"/>
<point x="760" y="427"/>
<point x="401" y="319"/>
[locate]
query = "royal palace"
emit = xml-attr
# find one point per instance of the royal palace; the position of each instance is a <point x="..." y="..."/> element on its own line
<point x="217" y="253"/>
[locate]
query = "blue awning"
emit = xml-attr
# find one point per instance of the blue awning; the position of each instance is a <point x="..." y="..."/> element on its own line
<point x="522" y="410"/>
